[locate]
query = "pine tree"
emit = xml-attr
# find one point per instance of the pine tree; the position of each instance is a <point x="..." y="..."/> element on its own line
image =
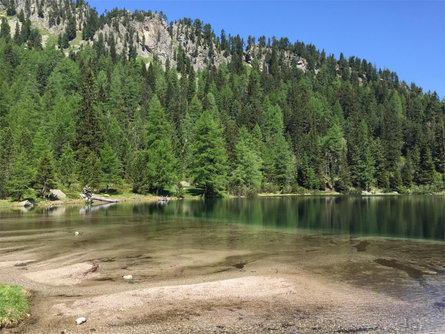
<point x="10" y="8"/>
<point x="5" y="30"/>
<point x="89" y="169"/>
<point x="137" y="173"/>
<point x="88" y="131"/>
<point x="332" y="147"/>
<point x="343" y="183"/>
<point x="277" y="161"/>
<point x="44" y="179"/>
<point x="17" y="38"/>
<point x="209" y="157"/>
<point x="271" y="120"/>
<point x="392" y="135"/>
<point x="6" y="156"/>
<point x="161" y="161"/>
<point x="70" y="30"/>
<point x="21" y="175"/>
<point x="67" y="166"/>
<point x="439" y="146"/>
<point x="109" y="164"/>
<point x="193" y="113"/>
<point x="246" y="176"/>
<point x="407" y="174"/>
<point x="425" y="172"/>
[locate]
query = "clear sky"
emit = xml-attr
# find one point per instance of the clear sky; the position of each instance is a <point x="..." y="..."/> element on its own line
<point x="405" y="36"/>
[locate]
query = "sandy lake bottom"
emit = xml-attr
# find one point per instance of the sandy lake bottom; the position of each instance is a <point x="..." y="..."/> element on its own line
<point x="210" y="276"/>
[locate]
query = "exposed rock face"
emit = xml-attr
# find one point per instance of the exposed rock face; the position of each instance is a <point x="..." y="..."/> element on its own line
<point x="149" y="34"/>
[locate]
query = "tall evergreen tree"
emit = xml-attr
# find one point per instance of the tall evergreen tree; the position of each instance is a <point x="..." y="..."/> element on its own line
<point x="5" y="30"/>
<point x="67" y="166"/>
<point x="209" y="157"/>
<point x="89" y="138"/>
<point x="109" y="164"/>
<point x="20" y="177"/>
<point x="6" y="157"/>
<point x="246" y="176"/>
<point x="70" y="30"/>
<point x="161" y="162"/>
<point x="45" y="176"/>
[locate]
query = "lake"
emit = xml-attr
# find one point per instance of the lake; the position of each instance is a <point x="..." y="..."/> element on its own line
<point x="376" y="253"/>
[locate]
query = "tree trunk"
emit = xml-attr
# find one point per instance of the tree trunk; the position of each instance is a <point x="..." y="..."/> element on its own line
<point x="97" y="198"/>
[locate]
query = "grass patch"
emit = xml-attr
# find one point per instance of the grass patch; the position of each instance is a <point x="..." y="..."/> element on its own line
<point x="4" y="203"/>
<point x="13" y="304"/>
<point x="76" y="41"/>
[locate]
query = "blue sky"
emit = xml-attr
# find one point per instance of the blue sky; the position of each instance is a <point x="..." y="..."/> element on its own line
<point x="405" y="36"/>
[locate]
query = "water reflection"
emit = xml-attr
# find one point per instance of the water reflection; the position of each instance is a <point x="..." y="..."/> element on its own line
<point x="88" y="209"/>
<point x="419" y="217"/>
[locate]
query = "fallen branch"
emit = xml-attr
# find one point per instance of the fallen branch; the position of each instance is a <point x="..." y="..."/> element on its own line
<point x="91" y="270"/>
<point x="87" y="195"/>
<point x="97" y="198"/>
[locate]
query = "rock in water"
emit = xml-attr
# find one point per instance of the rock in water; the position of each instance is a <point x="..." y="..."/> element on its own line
<point x="129" y="277"/>
<point x="81" y="320"/>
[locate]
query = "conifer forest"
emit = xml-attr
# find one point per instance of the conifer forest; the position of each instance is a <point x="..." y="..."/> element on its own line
<point x="87" y="106"/>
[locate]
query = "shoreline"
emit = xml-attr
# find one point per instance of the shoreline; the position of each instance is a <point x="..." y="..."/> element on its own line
<point x="138" y="198"/>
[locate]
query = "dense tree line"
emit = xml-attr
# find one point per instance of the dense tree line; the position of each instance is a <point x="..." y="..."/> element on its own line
<point x="106" y="120"/>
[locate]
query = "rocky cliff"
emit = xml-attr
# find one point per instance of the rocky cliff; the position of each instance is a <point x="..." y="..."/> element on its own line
<point x="146" y="34"/>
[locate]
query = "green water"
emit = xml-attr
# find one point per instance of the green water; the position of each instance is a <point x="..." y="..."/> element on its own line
<point x="421" y="217"/>
<point x="413" y="217"/>
<point x="391" y="245"/>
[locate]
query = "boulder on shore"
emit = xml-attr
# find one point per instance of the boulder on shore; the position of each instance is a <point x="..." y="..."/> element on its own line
<point x="56" y="194"/>
<point x="25" y="204"/>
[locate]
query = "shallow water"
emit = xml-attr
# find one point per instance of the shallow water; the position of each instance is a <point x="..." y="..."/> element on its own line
<point x="391" y="245"/>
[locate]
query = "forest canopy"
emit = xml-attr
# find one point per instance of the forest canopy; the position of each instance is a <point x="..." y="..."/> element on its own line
<point x="110" y="120"/>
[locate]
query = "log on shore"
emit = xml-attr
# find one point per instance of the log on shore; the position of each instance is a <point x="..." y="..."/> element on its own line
<point x="97" y="198"/>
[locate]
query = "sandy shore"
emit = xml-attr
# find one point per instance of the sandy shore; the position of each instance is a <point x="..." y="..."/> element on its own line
<point x="265" y="299"/>
<point x="191" y="276"/>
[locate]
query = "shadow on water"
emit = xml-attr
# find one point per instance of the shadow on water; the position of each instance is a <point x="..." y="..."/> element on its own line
<point x="412" y="272"/>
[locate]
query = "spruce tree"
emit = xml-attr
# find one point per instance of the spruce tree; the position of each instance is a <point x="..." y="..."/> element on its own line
<point x="161" y="161"/>
<point x="20" y="177"/>
<point x="246" y="176"/>
<point x="89" y="169"/>
<point x="6" y="156"/>
<point x="425" y="172"/>
<point x="271" y="120"/>
<point x="109" y="165"/>
<point x="391" y="134"/>
<point x="70" y="30"/>
<point x="67" y="166"/>
<point x="88" y="140"/>
<point x="5" y="30"/>
<point x="208" y="164"/>
<point x="45" y="179"/>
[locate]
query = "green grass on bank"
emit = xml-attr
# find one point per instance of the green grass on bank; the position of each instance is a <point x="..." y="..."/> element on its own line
<point x="14" y="304"/>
